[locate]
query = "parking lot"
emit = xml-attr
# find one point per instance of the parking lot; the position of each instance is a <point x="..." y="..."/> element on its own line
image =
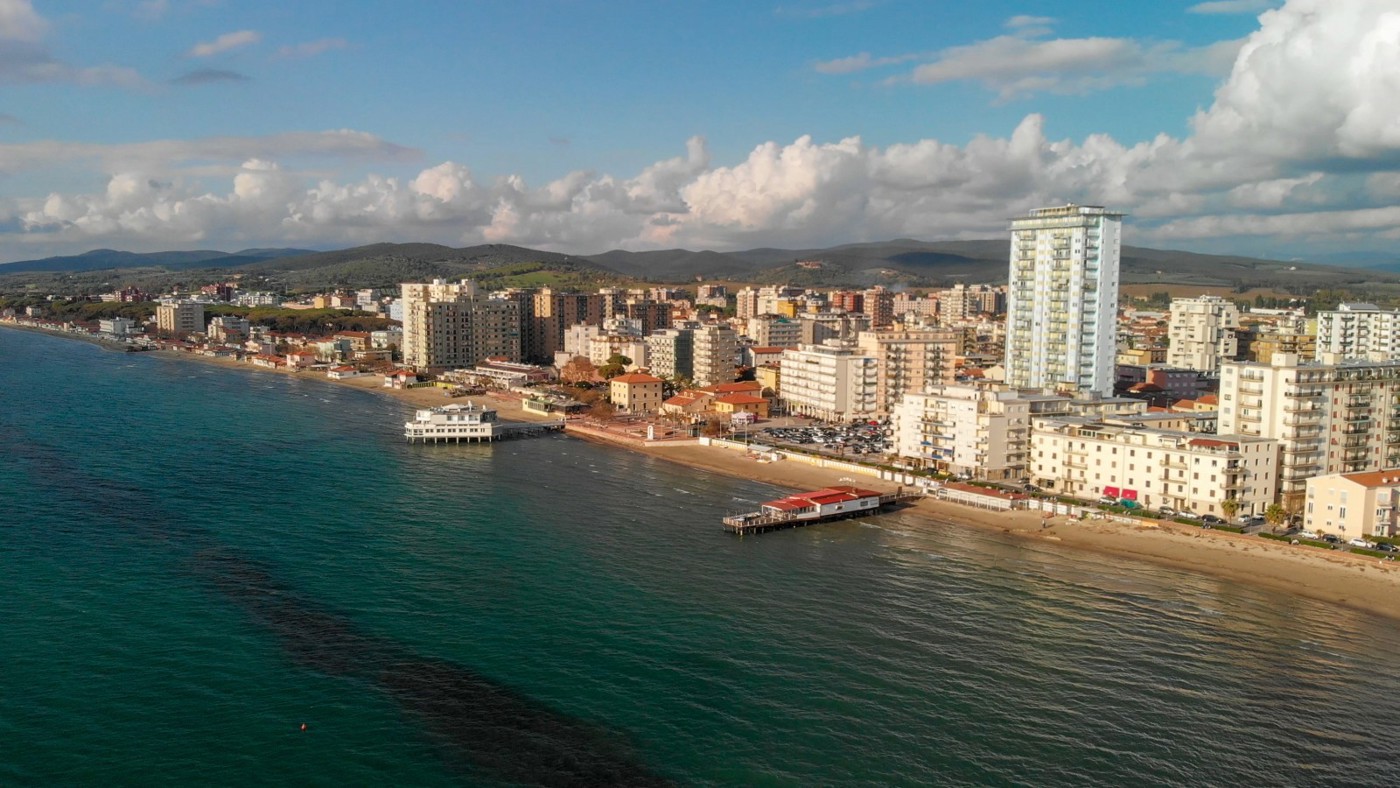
<point x="866" y="438"/>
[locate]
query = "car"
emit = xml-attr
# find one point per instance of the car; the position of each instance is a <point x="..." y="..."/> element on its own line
<point x="1166" y="511"/>
<point x="1386" y="547"/>
<point x="1108" y="500"/>
<point x="1188" y="514"/>
<point x="1306" y="534"/>
<point x="1211" y="519"/>
<point x="1331" y="539"/>
<point x="1359" y="542"/>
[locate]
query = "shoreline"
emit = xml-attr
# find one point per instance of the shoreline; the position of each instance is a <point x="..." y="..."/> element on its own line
<point x="1333" y="577"/>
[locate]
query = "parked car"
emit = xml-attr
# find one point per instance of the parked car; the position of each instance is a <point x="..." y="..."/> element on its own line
<point x="1188" y="514"/>
<point x="1166" y="511"/>
<point x="1211" y="519"/>
<point x="1386" y="547"/>
<point x="1108" y="500"/>
<point x="1306" y="534"/>
<point x="1331" y="539"/>
<point x="1359" y="542"/>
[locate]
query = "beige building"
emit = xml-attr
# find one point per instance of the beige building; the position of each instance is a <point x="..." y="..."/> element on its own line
<point x="1354" y="504"/>
<point x="1330" y="416"/>
<point x="450" y="324"/>
<point x="1202" y="333"/>
<point x="833" y="381"/>
<point x="180" y="317"/>
<point x="774" y="331"/>
<point x="1359" y="331"/>
<point x="1086" y="458"/>
<point x="636" y="393"/>
<point x="910" y="361"/>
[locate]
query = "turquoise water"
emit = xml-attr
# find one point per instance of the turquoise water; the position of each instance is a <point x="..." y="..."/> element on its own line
<point x="197" y="560"/>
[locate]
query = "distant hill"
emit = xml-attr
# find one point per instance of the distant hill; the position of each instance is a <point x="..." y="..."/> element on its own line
<point x="103" y="259"/>
<point x="900" y="262"/>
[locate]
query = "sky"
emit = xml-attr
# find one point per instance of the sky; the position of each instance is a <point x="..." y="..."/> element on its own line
<point x="1259" y="127"/>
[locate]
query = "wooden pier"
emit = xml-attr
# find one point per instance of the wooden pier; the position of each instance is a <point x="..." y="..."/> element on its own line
<point x="770" y="519"/>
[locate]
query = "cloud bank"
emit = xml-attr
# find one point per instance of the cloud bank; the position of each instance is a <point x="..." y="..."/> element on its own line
<point x="1299" y="146"/>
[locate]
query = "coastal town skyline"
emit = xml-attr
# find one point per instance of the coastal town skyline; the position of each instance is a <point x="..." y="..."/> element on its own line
<point x="837" y="132"/>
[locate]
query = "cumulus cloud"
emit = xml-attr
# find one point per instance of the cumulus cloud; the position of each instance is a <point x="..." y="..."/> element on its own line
<point x="1296" y="145"/>
<point x="20" y="22"/>
<point x="24" y="59"/>
<point x="225" y="43"/>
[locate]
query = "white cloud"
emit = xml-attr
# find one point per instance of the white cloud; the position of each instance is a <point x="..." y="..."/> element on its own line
<point x="1231" y="7"/>
<point x="24" y="59"/>
<point x="1296" y="145"/>
<point x="225" y="43"/>
<point x="312" y="48"/>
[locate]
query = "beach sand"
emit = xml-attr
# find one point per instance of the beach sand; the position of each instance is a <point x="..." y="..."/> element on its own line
<point x="1330" y="576"/>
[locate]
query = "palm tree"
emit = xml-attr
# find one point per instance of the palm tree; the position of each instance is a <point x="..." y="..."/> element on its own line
<point x="1230" y="507"/>
<point x="1275" y="515"/>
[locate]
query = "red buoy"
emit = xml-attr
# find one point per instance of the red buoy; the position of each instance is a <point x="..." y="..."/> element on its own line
<point x="303" y="726"/>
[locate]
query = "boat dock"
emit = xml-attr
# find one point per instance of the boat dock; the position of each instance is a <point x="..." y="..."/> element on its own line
<point x="820" y="506"/>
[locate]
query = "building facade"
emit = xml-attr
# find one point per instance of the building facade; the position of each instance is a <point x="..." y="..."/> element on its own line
<point x="1354" y="504"/>
<point x="180" y="317"/>
<point x="451" y="324"/>
<point x="1202" y="332"/>
<point x="1358" y="331"/>
<point x="910" y="361"/>
<point x="716" y="354"/>
<point x="1062" y="305"/>
<point x="833" y="381"/>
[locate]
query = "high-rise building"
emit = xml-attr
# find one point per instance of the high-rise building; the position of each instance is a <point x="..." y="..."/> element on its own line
<point x="553" y="314"/>
<point x="834" y="381"/>
<point x="774" y="331"/>
<point x="670" y="352"/>
<point x="1202" y="333"/>
<point x="878" y="305"/>
<point x="716" y="354"/>
<point x="910" y="361"/>
<point x="1062" y="308"/>
<point x="450" y="324"/>
<point x="1359" y="331"/>
<point x="180" y="317"/>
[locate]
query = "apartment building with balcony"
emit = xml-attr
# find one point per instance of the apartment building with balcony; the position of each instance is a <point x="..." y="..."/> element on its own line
<point x="1062" y="306"/>
<point x="1354" y="504"/>
<point x="909" y="361"/>
<point x="834" y="381"/>
<point x="715" y="349"/>
<point x="1329" y="416"/>
<point x="1087" y="458"/>
<point x="1202" y="331"/>
<point x="1358" y="331"/>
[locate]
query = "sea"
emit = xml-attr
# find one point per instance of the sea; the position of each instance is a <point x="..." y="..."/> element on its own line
<point x="213" y="576"/>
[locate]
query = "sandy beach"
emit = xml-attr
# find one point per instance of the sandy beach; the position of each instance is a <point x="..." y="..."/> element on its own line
<point x="1331" y="576"/>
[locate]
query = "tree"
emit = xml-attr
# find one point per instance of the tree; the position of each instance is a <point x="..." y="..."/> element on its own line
<point x="1275" y="514"/>
<point x="1230" y="507"/>
<point x="617" y="364"/>
<point x="579" y="370"/>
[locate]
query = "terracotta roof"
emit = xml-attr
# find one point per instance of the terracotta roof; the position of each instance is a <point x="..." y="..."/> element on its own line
<point x="1208" y="399"/>
<point x="740" y="399"/>
<point x="821" y="497"/>
<point x="734" y="388"/>
<point x="767" y="349"/>
<point x="990" y="493"/>
<point x="636" y="377"/>
<point x="1374" y="478"/>
<point x="1211" y="443"/>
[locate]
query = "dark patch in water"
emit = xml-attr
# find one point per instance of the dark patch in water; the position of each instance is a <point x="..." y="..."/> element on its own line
<point x="478" y="722"/>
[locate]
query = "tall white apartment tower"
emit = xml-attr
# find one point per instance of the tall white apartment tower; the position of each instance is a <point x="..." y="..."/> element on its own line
<point x="1062" y="304"/>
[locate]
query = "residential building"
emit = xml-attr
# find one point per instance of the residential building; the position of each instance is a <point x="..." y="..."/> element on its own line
<point x="819" y="327"/>
<point x="671" y="352"/>
<point x="228" y="328"/>
<point x="1062" y="306"/>
<point x="1330" y="415"/>
<point x="117" y="326"/>
<point x="453" y="325"/>
<point x="910" y="361"/>
<point x="1202" y="332"/>
<point x="716" y="354"/>
<point x="552" y="313"/>
<point x="833" y="381"/>
<point x="878" y="306"/>
<point x="1088" y="458"/>
<point x="774" y="330"/>
<point x="636" y="393"/>
<point x="1354" y="504"/>
<point x="1359" y="331"/>
<point x="180" y="317"/>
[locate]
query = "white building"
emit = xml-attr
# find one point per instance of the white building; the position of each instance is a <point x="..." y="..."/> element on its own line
<point x="1202" y="333"/>
<point x="1330" y="416"/>
<point x="458" y="423"/>
<point x="715" y="354"/>
<point x="1086" y="458"/>
<point x="1359" y="331"/>
<point x="116" y="326"/>
<point x="180" y="317"/>
<point x="671" y="353"/>
<point x="774" y="331"/>
<point x="832" y="381"/>
<point x="910" y="361"/>
<point x="1062" y="307"/>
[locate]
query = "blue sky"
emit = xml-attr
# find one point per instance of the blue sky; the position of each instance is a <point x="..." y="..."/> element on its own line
<point x="582" y="126"/>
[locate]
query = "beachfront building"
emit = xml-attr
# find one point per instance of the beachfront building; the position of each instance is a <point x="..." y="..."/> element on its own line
<point x="636" y="393"/>
<point x="228" y="328"/>
<point x="451" y="324"/>
<point x="1354" y="504"/>
<point x="715" y="349"/>
<point x="1062" y="307"/>
<point x="1202" y="332"/>
<point x="1088" y="458"/>
<point x="910" y="361"/>
<point x="983" y="430"/>
<point x="1330" y="416"/>
<point x="1358" y="331"/>
<point x="833" y="381"/>
<point x="180" y="317"/>
<point x="117" y="326"/>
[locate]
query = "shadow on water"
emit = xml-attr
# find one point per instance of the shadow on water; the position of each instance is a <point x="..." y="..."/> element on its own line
<point x="478" y="723"/>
